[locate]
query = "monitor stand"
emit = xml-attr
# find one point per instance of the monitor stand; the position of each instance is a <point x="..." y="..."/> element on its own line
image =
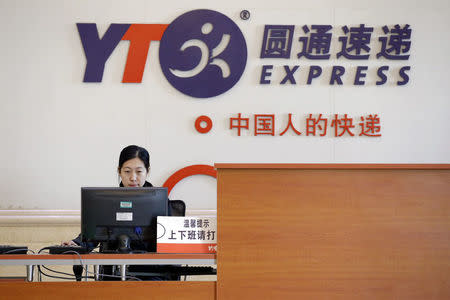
<point x="120" y="245"/>
<point x="123" y="245"/>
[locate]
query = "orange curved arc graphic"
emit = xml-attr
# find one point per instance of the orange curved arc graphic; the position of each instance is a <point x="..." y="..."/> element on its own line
<point x="188" y="171"/>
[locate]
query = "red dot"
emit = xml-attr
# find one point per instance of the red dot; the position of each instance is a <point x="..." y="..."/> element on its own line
<point x="203" y="124"/>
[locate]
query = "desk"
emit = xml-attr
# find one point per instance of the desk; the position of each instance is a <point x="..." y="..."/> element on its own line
<point x="136" y="290"/>
<point x="186" y="290"/>
<point x="355" y="232"/>
<point x="336" y="231"/>
<point x="32" y="260"/>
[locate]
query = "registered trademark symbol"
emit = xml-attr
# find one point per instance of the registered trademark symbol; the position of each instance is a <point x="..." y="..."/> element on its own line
<point x="245" y="15"/>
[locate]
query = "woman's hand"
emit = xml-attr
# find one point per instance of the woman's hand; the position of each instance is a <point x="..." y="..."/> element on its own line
<point x="68" y="243"/>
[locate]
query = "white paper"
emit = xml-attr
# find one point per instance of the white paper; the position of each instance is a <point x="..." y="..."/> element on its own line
<point x="124" y="216"/>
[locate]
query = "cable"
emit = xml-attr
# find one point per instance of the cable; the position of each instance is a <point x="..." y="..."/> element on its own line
<point x="104" y="275"/>
<point x="138" y="233"/>
<point x="54" y="271"/>
<point x="45" y="248"/>
<point x="82" y="265"/>
<point x="19" y="250"/>
<point x="114" y="276"/>
<point x="27" y="250"/>
<point x="51" y="276"/>
<point x="58" y="272"/>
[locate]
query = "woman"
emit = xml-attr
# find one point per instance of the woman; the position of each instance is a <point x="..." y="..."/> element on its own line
<point x="133" y="169"/>
<point x="134" y="166"/>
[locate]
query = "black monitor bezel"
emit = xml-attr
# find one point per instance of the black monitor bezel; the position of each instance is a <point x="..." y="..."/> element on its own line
<point x="91" y="219"/>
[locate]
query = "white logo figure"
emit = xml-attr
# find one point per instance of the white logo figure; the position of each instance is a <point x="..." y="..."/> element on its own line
<point x="205" y="60"/>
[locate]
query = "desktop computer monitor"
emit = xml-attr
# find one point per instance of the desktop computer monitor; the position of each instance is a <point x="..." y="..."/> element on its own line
<point x="121" y="216"/>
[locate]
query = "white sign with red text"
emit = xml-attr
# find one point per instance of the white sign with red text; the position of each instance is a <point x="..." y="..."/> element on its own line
<point x="187" y="235"/>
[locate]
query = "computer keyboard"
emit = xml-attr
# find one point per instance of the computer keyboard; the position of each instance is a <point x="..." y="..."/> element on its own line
<point x="66" y="249"/>
<point x="7" y="249"/>
<point x="191" y="270"/>
<point x="177" y="270"/>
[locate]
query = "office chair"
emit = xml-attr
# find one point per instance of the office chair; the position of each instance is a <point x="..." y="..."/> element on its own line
<point x="177" y="208"/>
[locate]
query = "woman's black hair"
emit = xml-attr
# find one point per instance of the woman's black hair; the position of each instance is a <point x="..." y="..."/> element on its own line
<point x="134" y="151"/>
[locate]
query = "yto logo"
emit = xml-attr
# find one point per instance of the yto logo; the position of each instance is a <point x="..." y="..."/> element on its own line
<point x="203" y="53"/>
<point x="98" y="50"/>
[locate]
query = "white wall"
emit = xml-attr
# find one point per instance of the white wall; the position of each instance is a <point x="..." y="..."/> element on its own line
<point x="59" y="133"/>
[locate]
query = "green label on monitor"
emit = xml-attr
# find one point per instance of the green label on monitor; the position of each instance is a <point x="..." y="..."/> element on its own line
<point x="126" y="204"/>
